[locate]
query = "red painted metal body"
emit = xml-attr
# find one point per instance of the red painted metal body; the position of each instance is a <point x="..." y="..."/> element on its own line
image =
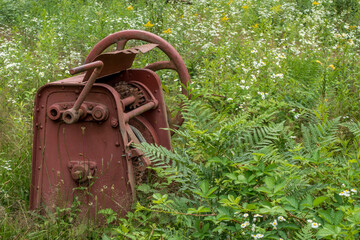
<point x="84" y="127"/>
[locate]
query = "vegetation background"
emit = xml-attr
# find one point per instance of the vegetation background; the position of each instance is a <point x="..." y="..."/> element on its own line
<point x="271" y="144"/>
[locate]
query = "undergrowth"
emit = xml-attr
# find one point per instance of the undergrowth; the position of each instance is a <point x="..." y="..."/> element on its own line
<point x="271" y="143"/>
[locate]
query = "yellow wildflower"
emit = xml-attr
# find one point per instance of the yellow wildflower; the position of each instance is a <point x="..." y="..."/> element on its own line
<point x="182" y="16"/>
<point x="315" y="3"/>
<point x="196" y="14"/>
<point x="352" y="27"/>
<point x="230" y="2"/>
<point x="130" y="8"/>
<point x="224" y="19"/>
<point x="318" y="62"/>
<point x="332" y="66"/>
<point x="276" y="9"/>
<point x="148" y="24"/>
<point x="256" y="25"/>
<point x="245" y="7"/>
<point x="168" y="31"/>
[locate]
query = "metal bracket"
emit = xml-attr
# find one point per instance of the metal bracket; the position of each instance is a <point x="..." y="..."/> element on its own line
<point x="88" y="111"/>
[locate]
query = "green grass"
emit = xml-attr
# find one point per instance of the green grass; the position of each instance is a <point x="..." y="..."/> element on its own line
<point x="278" y="85"/>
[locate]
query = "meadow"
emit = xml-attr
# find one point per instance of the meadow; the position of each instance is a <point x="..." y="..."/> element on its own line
<point x="270" y="146"/>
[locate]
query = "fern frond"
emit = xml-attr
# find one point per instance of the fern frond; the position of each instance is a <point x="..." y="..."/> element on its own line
<point x="354" y="128"/>
<point x="261" y="137"/>
<point x="320" y="133"/>
<point x="305" y="234"/>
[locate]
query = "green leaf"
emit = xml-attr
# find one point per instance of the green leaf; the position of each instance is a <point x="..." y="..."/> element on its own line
<point x="338" y="198"/>
<point x="124" y="229"/>
<point x="280" y="186"/>
<point x="201" y="209"/>
<point x="241" y="179"/>
<point x="204" y="186"/>
<point x="144" y="188"/>
<point x="307" y="202"/>
<point x="293" y="202"/>
<point x="264" y="189"/>
<point x="338" y="216"/>
<point x="329" y="230"/>
<point x="105" y="237"/>
<point x="248" y="207"/>
<point x="205" y="191"/>
<point x="270" y="182"/>
<point x="355" y="217"/>
<point x="319" y="200"/>
<point x="291" y="226"/>
<point x="325" y="214"/>
<point x="210" y="192"/>
<point x="165" y="88"/>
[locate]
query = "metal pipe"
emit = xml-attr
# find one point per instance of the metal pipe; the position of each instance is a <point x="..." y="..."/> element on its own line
<point x="127" y="101"/>
<point x="156" y="66"/>
<point x="140" y="110"/>
<point x="73" y="114"/>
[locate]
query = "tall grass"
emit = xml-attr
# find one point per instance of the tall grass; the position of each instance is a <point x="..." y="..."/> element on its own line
<point x="291" y="61"/>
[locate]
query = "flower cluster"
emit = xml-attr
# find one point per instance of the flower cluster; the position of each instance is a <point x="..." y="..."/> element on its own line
<point x="313" y="224"/>
<point x="257" y="236"/>
<point x="245" y="224"/>
<point x="274" y="224"/>
<point x="347" y="193"/>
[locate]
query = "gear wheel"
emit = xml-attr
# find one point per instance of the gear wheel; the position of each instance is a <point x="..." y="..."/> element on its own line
<point x="123" y="89"/>
<point x="126" y="90"/>
<point x="139" y="97"/>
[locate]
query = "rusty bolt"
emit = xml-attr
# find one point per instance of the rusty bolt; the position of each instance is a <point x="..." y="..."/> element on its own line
<point x="100" y="113"/>
<point x="117" y="143"/>
<point x="114" y="123"/>
<point x="80" y="172"/>
<point x="97" y="114"/>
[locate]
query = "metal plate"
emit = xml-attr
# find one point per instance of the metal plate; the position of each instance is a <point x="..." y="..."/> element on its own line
<point x="58" y="145"/>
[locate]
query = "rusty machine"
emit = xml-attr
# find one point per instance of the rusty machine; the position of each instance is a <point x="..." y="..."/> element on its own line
<point x="84" y="126"/>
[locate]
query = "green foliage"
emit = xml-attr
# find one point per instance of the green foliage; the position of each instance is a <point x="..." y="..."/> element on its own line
<point x="272" y="128"/>
<point x="253" y="179"/>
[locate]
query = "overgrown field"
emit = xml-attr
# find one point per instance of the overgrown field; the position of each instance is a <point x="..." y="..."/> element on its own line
<point x="270" y="148"/>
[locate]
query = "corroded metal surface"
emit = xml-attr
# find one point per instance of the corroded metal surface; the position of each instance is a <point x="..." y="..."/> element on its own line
<point x="85" y="127"/>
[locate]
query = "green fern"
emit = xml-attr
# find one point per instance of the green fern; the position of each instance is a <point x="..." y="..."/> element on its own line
<point x="354" y="128"/>
<point x="320" y="134"/>
<point x="260" y="137"/>
<point x="305" y="233"/>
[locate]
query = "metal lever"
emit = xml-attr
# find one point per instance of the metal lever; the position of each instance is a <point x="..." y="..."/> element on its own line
<point x="73" y="114"/>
